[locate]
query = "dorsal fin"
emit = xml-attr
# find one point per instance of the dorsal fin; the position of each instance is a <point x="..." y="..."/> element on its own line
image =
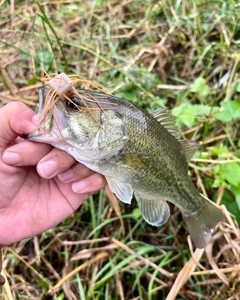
<point x="167" y="120"/>
<point x="189" y="148"/>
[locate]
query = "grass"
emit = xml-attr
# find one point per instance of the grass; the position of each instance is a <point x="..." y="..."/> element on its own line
<point x="180" y="54"/>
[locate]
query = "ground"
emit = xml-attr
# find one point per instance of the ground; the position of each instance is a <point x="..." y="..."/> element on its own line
<point x="183" y="55"/>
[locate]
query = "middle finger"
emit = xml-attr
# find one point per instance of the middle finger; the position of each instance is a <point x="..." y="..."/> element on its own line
<point x="75" y="173"/>
<point x="54" y="163"/>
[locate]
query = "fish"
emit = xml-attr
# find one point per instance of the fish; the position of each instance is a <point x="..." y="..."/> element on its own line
<point x="135" y="150"/>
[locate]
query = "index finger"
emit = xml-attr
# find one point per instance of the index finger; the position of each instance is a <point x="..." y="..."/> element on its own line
<point x="15" y="118"/>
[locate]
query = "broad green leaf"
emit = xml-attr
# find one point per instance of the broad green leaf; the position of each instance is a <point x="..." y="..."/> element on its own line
<point x="128" y="95"/>
<point x="230" y="202"/>
<point x="231" y="173"/>
<point x="186" y="113"/>
<point x="200" y="87"/>
<point x="236" y="191"/>
<point x="219" y="150"/>
<point x="216" y="183"/>
<point x="238" y="87"/>
<point x="229" y="111"/>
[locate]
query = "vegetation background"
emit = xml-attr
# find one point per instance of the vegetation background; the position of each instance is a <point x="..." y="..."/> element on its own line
<point x="180" y="54"/>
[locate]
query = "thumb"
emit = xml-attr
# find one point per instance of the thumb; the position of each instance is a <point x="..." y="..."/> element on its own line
<point x="15" y="118"/>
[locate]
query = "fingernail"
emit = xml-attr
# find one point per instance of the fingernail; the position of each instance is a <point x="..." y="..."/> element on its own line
<point x="79" y="186"/>
<point x="35" y="120"/>
<point x="48" y="168"/>
<point x="11" y="158"/>
<point x="67" y="175"/>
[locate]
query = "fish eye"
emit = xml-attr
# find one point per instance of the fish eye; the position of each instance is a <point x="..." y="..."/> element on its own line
<point x="73" y="104"/>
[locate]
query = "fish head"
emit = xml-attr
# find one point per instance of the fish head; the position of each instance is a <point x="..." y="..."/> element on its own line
<point x="69" y="121"/>
<point x="82" y="124"/>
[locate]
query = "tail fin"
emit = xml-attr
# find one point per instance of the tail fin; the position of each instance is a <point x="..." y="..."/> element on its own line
<point x="201" y="224"/>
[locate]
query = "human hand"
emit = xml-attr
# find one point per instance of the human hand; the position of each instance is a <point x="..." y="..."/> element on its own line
<point x="39" y="185"/>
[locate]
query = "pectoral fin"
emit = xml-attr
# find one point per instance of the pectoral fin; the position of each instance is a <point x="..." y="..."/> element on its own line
<point x="137" y="161"/>
<point x="155" y="212"/>
<point x="122" y="190"/>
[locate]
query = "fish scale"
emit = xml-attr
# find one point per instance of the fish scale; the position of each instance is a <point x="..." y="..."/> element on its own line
<point x="135" y="151"/>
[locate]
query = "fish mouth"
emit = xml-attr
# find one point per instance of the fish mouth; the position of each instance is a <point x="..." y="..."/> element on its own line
<point x="42" y="136"/>
<point x="50" y="125"/>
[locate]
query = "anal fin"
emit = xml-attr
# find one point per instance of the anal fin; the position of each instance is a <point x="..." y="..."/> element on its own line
<point x="154" y="212"/>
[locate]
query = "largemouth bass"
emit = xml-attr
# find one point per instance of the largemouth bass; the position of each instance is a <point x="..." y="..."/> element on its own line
<point x="135" y="151"/>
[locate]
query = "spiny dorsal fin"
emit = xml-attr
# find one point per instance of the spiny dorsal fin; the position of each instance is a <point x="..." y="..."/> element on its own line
<point x="167" y="120"/>
<point x="189" y="148"/>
